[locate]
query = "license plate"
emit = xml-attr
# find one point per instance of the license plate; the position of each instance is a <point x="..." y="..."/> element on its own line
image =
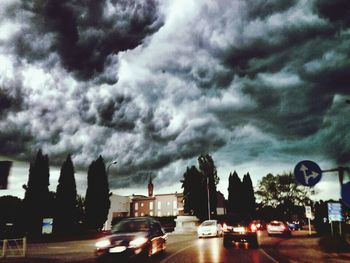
<point x="117" y="249"/>
<point x="238" y="229"/>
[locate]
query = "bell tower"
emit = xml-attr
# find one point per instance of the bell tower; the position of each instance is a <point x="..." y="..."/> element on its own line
<point x="150" y="187"/>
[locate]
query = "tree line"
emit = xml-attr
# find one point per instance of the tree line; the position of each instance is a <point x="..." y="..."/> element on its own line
<point x="200" y="184"/>
<point x="278" y="196"/>
<point x="70" y="212"/>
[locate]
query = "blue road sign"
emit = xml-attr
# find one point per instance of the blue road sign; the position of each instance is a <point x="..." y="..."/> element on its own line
<point x="335" y="212"/>
<point x="307" y="173"/>
<point x="345" y="193"/>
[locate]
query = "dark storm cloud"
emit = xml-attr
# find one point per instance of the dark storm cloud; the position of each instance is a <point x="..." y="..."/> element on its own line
<point x="243" y="80"/>
<point x="84" y="35"/>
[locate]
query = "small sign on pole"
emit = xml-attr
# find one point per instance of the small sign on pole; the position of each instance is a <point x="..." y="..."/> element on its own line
<point x="308" y="214"/>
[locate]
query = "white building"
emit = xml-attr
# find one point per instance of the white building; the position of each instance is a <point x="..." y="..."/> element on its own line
<point x="120" y="207"/>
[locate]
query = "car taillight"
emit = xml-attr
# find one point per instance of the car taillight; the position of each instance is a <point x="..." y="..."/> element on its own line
<point x="253" y="227"/>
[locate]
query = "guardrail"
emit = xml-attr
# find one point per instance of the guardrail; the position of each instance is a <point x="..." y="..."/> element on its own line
<point x="13" y="248"/>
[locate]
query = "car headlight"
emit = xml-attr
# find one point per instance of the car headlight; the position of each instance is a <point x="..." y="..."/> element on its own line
<point x="103" y="243"/>
<point x="138" y="242"/>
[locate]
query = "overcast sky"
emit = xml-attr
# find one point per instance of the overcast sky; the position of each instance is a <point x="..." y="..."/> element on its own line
<point x="258" y="84"/>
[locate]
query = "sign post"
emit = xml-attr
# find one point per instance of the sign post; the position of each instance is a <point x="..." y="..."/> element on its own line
<point x="335" y="215"/>
<point x="308" y="214"/>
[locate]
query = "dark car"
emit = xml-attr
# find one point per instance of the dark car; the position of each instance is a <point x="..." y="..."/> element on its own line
<point x="240" y="228"/>
<point x="132" y="238"/>
<point x="294" y="225"/>
<point x="276" y="227"/>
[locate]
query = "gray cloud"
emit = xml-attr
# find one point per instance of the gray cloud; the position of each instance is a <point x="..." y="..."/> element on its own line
<point x="243" y="80"/>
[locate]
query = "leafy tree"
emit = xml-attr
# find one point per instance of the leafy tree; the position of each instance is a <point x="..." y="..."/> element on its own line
<point x="97" y="201"/>
<point x="194" y="193"/>
<point x="282" y="192"/>
<point x="66" y="199"/>
<point x="37" y="200"/>
<point x="234" y="193"/>
<point x="208" y="169"/>
<point x="248" y="199"/>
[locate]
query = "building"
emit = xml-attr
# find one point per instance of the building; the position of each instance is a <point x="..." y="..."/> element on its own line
<point x="157" y="205"/>
<point x="120" y="207"/>
<point x="139" y="205"/>
<point x="169" y="204"/>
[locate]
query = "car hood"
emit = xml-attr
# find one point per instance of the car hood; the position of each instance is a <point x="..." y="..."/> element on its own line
<point x="125" y="238"/>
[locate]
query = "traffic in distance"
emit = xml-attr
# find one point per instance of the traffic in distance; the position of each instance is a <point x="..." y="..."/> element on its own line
<point x="138" y="239"/>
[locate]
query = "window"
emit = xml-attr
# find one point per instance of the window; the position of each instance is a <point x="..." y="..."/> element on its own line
<point x="151" y="213"/>
<point x="168" y="213"/>
<point x="151" y="205"/>
<point x="175" y="213"/>
<point x="175" y="204"/>
<point x="168" y="203"/>
<point x="136" y="206"/>
<point x="141" y="204"/>
<point x="142" y="214"/>
<point x="136" y="214"/>
<point x="159" y="205"/>
<point x="159" y="213"/>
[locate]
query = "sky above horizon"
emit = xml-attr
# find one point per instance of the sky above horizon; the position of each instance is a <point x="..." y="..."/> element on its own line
<point x="258" y="84"/>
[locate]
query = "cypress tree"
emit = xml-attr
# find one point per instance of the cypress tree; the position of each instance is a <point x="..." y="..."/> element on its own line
<point x="66" y="199"/>
<point x="248" y="194"/>
<point x="194" y="193"/>
<point x="234" y="194"/>
<point x="97" y="201"/>
<point x="37" y="199"/>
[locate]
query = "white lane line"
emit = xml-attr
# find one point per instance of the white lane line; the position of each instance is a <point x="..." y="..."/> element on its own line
<point x="177" y="252"/>
<point x="268" y="256"/>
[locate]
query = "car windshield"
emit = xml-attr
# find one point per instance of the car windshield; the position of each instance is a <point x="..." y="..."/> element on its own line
<point x="208" y="223"/>
<point x="130" y="226"/>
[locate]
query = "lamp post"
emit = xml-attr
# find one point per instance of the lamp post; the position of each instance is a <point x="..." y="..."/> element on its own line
<point x="105" y="225"/>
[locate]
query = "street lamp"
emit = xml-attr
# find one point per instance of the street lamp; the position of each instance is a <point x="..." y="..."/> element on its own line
<point x="114" y="162"/>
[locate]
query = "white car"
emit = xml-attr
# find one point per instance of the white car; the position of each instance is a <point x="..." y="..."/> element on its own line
<point x="210" y="228"/>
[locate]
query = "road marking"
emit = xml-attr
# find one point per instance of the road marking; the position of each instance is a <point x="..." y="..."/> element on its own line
<point x="268" y="256"/>
<point x="177" y="252"/>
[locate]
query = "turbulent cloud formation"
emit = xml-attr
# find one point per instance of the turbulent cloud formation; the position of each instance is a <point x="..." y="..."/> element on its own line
<point x="153" y="84"/>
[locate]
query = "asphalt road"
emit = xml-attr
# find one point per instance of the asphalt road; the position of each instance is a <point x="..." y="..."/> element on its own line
<point x="188" y="248"/>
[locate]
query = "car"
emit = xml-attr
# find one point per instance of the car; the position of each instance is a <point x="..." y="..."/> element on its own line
<point x="132" y="238"/>
<point x="240" y="228"/>
<point x="210" y="228"/>
<point x="259" y="225"/>
<point x="276" y="227"/>
<point x="294" y="225"/>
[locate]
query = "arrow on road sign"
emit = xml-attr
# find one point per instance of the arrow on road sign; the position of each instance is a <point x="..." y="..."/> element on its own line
<point x="313" y="174"/>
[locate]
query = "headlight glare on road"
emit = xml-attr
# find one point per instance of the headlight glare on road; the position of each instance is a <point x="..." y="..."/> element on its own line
<point x="103" y="243"/>
<point x="138" y="242"/>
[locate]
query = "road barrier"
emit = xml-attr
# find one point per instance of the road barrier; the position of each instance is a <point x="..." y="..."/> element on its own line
<point x="13" y="248"/>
